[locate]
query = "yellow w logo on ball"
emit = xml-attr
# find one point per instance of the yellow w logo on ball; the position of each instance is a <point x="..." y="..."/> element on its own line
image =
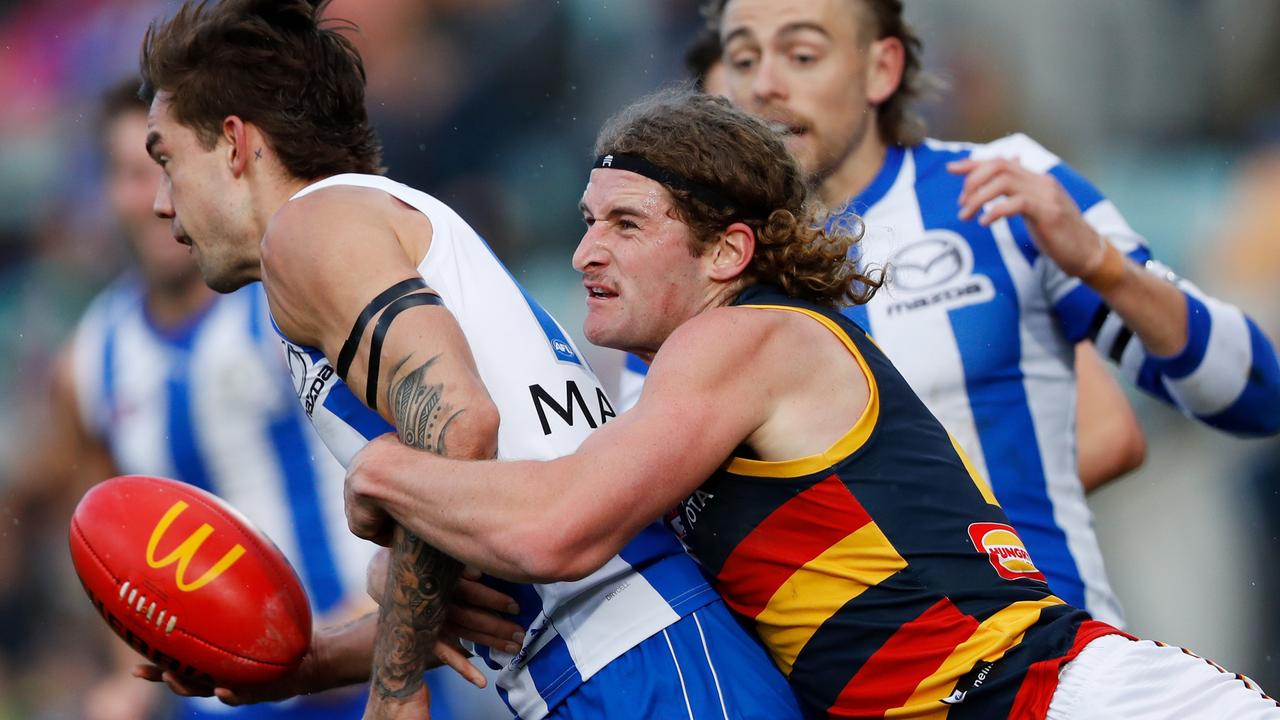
<point x="187" y="550"/>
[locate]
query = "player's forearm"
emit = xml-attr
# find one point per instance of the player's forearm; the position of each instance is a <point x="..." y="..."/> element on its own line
<point x="420" y="578"/>
<point x="343" y="654"/>
<point x="1153" y="308"/>
<point x="525" y="521"/>
<point x="419" y="581"/>
<point x="1224" y="373"/>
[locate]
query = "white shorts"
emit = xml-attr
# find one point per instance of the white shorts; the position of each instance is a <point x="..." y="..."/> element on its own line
<point x="1114" y="677"/>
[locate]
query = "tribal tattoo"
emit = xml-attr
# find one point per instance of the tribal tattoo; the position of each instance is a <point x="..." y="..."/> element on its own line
<point x="421" y="415"/>
<point x="420" y="578"/>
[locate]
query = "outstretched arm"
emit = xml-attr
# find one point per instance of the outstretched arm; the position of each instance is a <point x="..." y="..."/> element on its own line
<point x="1194" y="351"/>
<point x="325" y="257"/>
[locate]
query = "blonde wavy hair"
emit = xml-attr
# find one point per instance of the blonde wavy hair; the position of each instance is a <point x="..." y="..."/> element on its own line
<point x="705" y="140"/>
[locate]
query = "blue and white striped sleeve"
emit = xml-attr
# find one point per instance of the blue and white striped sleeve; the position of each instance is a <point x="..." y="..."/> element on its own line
<point x="1227" y="376"/>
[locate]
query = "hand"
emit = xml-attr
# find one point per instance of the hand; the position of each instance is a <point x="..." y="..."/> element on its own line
<point x="307" y="678"/>
<point x="1056" y="224"/>
<point x="282" y="690"/>
<point x="365" y="517"/>
<point x="476" y="615"/>
<point x="119" y="696"/>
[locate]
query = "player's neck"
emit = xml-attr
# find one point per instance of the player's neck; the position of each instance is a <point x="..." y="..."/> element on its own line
<point x="270" y="194"/>
<point x="855" y="173"/>
<point x="170" y="306"/>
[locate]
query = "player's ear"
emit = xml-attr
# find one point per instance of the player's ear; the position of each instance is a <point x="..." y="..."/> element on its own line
<point x="885" y="60"/>
<point x="237" y="136"/>
<point x="732" y="253"/>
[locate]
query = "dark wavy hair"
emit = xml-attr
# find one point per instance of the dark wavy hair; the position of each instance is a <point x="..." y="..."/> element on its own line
<point x="274" y="63"/>
<point x="895" y="120"/>
<point x="701" y="55"/>
<point x="709" y="142"/>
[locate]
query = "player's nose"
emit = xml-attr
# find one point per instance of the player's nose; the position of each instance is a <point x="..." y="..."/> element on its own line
<point x="768" y="83"/>
<point x="162" y="205"/>
<point x="590" y="251"/>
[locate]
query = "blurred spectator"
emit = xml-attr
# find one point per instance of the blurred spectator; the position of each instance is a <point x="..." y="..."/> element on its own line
<point x="453" y="117"/>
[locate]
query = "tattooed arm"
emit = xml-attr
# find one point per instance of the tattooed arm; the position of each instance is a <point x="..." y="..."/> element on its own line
<point x="420" y="578"/>
<point x="324" y="258"/>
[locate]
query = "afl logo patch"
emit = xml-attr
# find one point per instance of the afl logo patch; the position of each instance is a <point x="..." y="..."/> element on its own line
<point x="1005" y="550"/>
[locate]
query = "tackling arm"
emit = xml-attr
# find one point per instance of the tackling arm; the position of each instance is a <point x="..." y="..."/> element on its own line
<point x="562" y="519"/>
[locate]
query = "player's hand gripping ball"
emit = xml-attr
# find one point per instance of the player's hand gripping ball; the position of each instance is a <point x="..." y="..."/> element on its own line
<point x="188" y="582"/>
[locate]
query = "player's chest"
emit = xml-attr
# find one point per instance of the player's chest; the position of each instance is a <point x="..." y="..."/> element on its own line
<point x="955" y="295"/>
<point x="148" y="379"/>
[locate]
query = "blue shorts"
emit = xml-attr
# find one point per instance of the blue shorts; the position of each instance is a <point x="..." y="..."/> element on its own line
<point x="706" y="666"/>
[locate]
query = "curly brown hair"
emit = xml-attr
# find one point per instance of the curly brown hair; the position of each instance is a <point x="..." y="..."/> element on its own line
<point x="709" y="142"/>
<point x="274" y="63"/>
<point x="895" y="120"/>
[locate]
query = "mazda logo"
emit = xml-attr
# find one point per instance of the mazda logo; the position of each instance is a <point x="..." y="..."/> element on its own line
<point x="929" y="263"/>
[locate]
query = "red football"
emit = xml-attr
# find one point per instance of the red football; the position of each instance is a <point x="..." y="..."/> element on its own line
<point x="188" y="582"/>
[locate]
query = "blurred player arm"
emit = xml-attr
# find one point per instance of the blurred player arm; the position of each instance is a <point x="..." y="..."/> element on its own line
<point x="65" y="461"/>
<point x="562" y="519"/>
<point x="1198" y="353"/>
<point x="65" y="458"/>
<point x="1109" y="438"/>
<point x="326" y="257"/>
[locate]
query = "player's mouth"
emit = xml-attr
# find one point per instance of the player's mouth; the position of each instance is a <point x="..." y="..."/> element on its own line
<point x="788" y="129"/>
<point x="598" y="292"/>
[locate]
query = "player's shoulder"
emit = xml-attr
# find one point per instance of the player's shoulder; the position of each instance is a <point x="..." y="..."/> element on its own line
<point x="317" y="228"/>
<point x="720" y="338"/>
<point x="1019" y="146"/>
<point x="728" y="326"/>
<point x="79" y="363"/>
<point x="112" y="303"/>
<point x="327" y="207"/>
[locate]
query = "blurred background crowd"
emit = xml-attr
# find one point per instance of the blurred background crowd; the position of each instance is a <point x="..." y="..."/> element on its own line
<point x="1172" y="107"/>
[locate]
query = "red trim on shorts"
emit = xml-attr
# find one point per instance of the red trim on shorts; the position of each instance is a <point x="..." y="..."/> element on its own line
<point x="1041" y="680"/>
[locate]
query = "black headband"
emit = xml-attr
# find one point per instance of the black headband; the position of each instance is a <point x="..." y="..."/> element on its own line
<point x="672" y="179"/>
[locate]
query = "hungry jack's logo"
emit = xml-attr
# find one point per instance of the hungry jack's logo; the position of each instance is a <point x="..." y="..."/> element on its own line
<point x="187" y="550"/>
<point x="1005" y="550"/>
